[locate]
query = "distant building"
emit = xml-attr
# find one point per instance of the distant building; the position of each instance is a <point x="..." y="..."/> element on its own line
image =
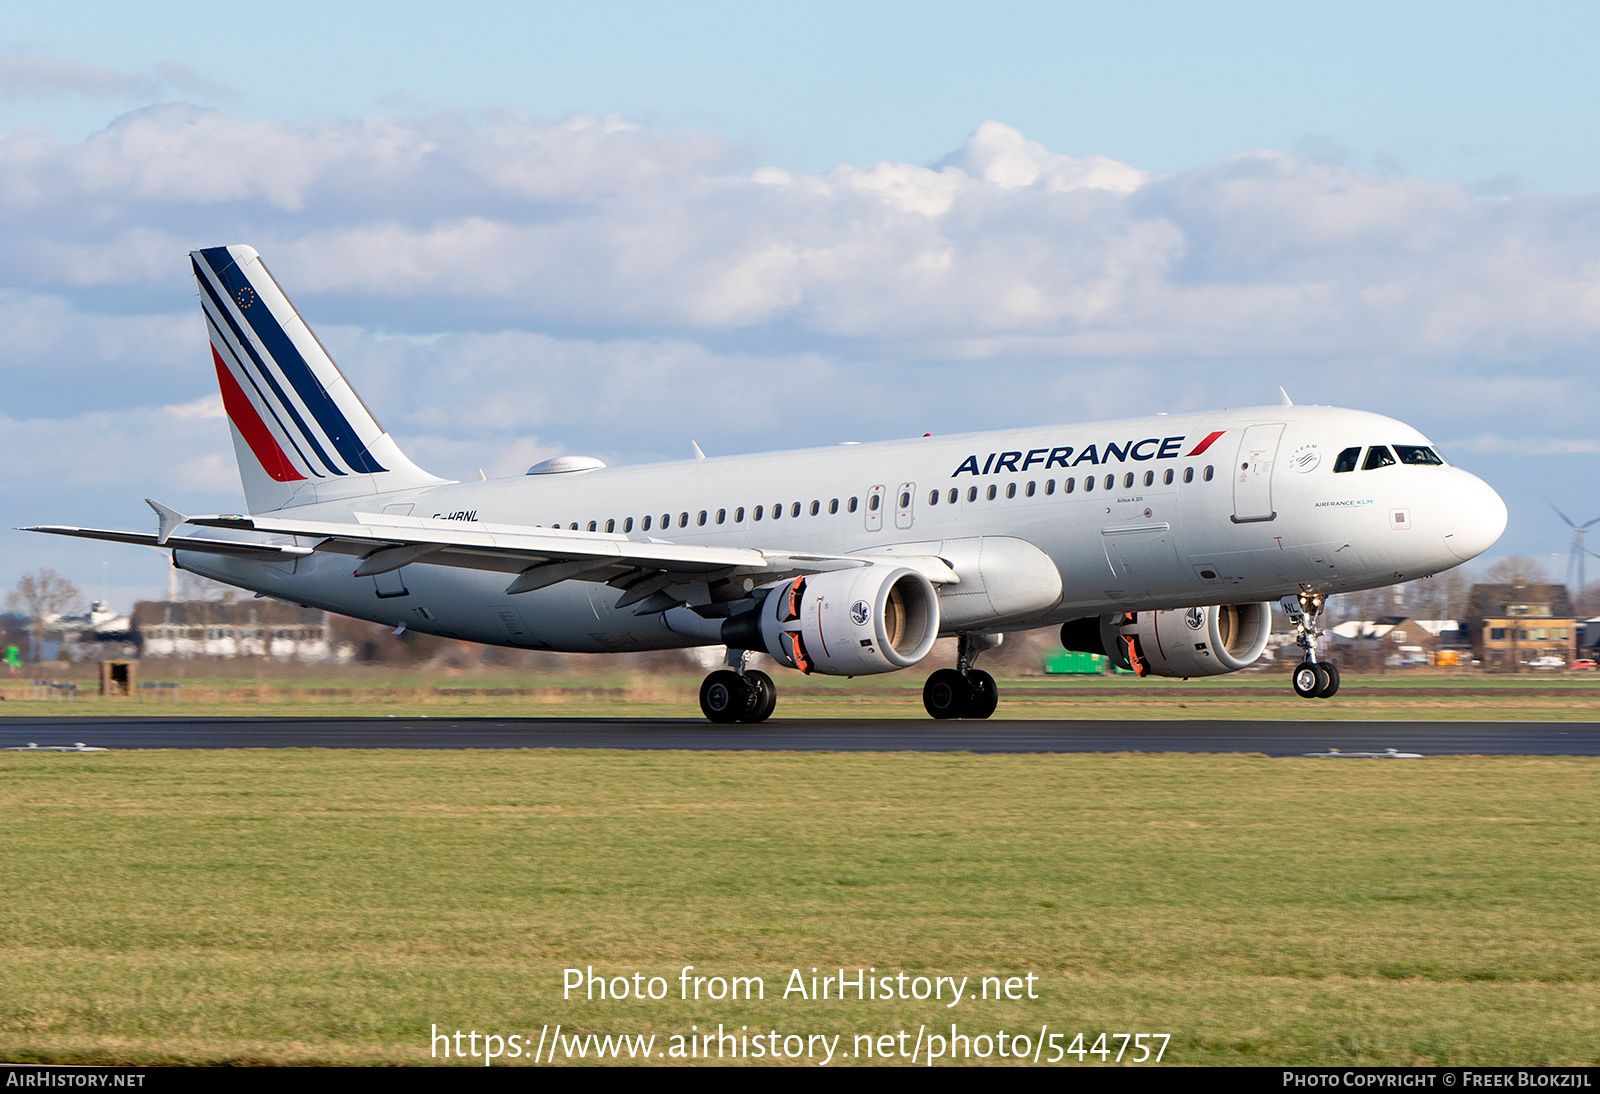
<point x="232" y="628"/>
<point x="1589" y="633"/>
<point x="1514" y="624"/>
<point x="1398" y="640"/>
<point x="99" y="632"/>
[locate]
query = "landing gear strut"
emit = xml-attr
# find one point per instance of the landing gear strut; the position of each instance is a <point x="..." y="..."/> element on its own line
<point x="737" y="694"/>
<point x="1313" y="679"/>
<point x="963" y="692"/>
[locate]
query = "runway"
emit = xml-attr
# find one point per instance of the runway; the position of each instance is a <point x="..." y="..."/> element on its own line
<point x="815" y="735"/>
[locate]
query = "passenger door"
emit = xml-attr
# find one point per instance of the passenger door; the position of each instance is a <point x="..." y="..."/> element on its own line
<point x="1252" y="473"/>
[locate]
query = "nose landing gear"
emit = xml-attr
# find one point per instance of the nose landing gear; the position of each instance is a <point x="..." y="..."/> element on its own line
<point x="963" y="692"/>
<point x="735" y="694"/>
<point x="1313" y="679"/>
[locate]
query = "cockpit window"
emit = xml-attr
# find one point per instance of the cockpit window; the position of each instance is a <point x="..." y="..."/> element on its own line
<point x="1417" y="454"/>
<point x="1347" y="460"/>
<point x="1377" y="456"/>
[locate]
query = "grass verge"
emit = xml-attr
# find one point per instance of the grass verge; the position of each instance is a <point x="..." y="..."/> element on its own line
<point x="298" y="906"/>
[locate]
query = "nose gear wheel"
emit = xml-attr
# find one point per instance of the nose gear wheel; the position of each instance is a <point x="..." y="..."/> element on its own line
<point x="1313" y="679"/>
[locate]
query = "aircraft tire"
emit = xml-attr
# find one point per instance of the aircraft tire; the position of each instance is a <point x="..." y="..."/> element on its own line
<point x="725" y="696"/>
<point x="765" y="694"/>
<point x="1331" y="688"/>
<point x="1308" y="681"/>
<point x="945" y="694"/>
<point x="984" y="696"/>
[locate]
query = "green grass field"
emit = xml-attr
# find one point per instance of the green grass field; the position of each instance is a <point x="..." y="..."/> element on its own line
<point x="210" y="690"/>
<point x="289" y="906"/>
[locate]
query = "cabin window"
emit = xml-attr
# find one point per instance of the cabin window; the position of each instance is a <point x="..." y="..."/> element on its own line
<point x="833" y="507"/>
<point x="1049" y="487"/>
<point x="644" y="525"/>
<point x="1069" y="485"/>
<point x="1149" y="478"/>
<point x="1088" y="483"/>
<point x="683" y="519"/>
<point x="1127" y="480"/>
<point x="611" y="526"/>
<point x="972" y="493"/>
<point x="1417" y="454"/>
<point x="738" y="515"/>
<point x="1166" y="479"/>
<point x="872" y="503"/>
<point x="1029" y="491"/>
<point x="574" y="527"/>
<point x="757" y="514"/>
<point x="852" y="505"/>
<point x="666" y="520"/>
<point x="954" y="495"/>
<point x="777" y="511"/>
<point x="992" y="492"/>
<point x="1347" y="460"/>
<point x="627" y="525"/>
<point x="933" y="497"/>
<point x="794" y="510"/>
<point x="905" y="499"/>
<point x="1011" y="489"/>
<point x="1188" y="474"/>
<point x="722" y="516"/>
<point x="1377" y="456"/>
<point x="1111" y="481"/>
<point x="1209" y="472"/>
<point x="816" y="507"/>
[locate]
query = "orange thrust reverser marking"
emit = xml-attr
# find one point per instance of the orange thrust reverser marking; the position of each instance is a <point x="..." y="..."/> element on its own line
<point x="795" y="647"/>
<point x="797" y="592"/>
<point x="1134" y="655"/>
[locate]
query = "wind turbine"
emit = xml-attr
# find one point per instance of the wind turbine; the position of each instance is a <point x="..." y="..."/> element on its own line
<point x="1577" y="556"/>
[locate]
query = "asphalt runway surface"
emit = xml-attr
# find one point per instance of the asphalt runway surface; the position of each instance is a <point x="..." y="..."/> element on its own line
<point x="816" y="735"/>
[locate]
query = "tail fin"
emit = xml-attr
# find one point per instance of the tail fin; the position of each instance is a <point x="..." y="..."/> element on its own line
<point x="300" y="432"/>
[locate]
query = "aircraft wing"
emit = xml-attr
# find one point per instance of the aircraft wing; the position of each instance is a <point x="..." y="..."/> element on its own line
<point x="654" y="570"/>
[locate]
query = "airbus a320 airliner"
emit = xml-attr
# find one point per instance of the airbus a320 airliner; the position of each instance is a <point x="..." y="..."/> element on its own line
<point x="1161" y="542"/>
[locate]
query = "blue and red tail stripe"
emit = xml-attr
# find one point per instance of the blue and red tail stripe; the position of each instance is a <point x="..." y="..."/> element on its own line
<point x="242" y="413"/>
<point x="284" y="360"/>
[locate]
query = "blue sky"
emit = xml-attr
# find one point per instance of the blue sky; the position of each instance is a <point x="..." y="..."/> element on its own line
<point x="526" y="229"/>
<point x="1489" y="94"/>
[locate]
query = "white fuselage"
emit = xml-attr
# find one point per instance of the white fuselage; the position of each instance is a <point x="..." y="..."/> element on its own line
<point x="1257" y="514"/>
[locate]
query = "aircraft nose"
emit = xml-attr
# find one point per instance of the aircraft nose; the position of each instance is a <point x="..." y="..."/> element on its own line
<point x="1471" y="515"/>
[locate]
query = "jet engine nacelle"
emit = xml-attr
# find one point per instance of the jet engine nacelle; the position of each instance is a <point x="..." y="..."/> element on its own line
<point x="1183" y="642"/>
<point x="843" y="623"/>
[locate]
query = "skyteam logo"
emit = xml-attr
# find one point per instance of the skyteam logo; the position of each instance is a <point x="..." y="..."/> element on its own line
<point x="860" y="612"/>
<point x="1305" y="458"/>
<point x="1194" y="618"/>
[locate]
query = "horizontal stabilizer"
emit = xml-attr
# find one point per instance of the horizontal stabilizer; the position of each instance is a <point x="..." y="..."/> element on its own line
<point x="264" y="551"/>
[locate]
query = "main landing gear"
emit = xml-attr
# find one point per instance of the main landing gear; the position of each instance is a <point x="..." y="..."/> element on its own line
<point x="963" y="692"/>
<point x="735" y="694"/>
<point x="1313" y="679"/>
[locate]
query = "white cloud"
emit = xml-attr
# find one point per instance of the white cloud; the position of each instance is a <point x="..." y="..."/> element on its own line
<point x="507" y="221"/>
<point x="29" y="75"/>
<point x="999" y="154"/>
